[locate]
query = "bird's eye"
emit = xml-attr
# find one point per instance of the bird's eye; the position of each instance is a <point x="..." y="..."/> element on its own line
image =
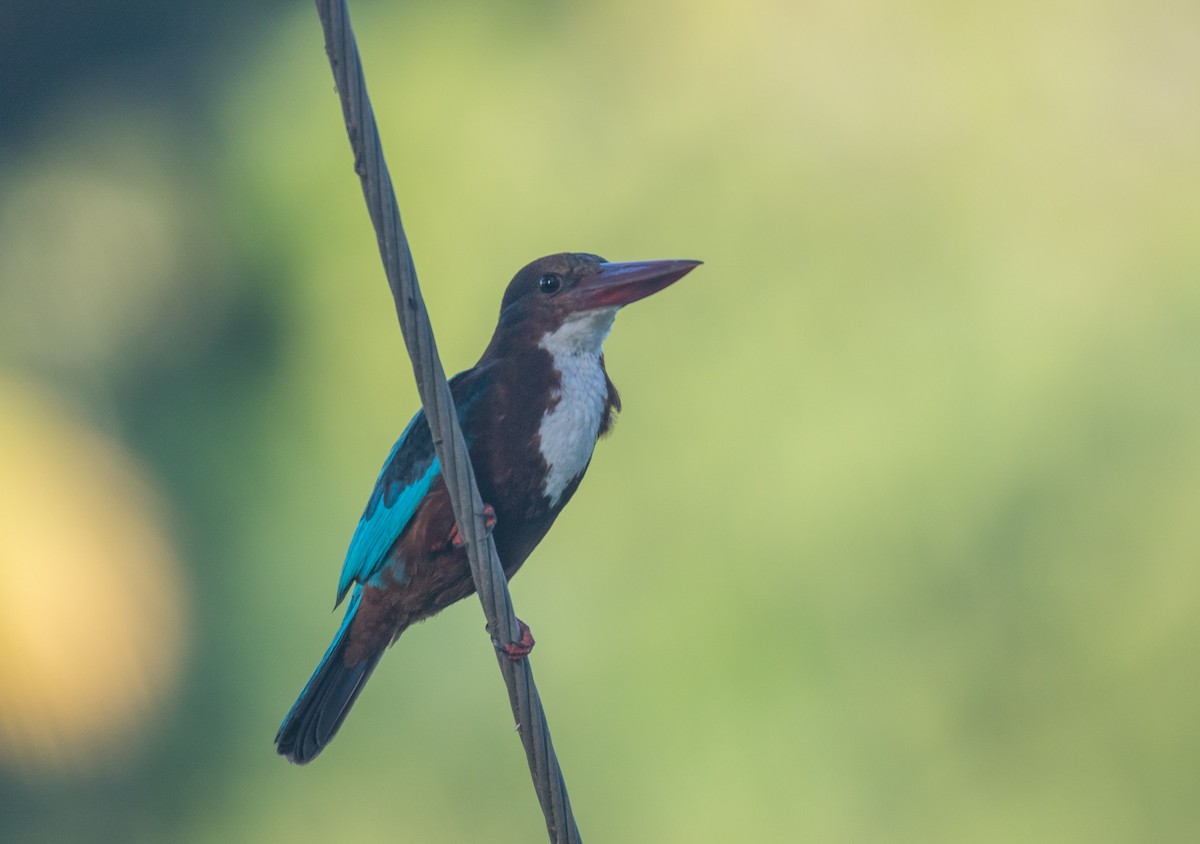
<point x="550" y="283"/>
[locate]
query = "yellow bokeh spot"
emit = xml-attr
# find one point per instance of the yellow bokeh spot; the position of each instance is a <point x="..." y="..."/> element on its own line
<point x="91" y="600"/>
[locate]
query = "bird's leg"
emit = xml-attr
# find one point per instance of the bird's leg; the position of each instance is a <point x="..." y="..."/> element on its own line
<point x="516" y="650"/>
<point x="489" y="521"/>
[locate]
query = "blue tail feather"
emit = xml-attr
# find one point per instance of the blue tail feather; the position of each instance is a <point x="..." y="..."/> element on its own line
<point x="317" y="714"/>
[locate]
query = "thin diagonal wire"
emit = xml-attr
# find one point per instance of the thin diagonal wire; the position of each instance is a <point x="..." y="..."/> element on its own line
<point x="490" y="583"/>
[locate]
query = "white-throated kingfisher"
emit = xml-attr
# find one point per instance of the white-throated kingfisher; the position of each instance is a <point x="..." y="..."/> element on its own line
<point x="531" y="411"/>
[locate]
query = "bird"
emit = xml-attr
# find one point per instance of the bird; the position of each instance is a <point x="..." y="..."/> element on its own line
<point x="531" y="410"/>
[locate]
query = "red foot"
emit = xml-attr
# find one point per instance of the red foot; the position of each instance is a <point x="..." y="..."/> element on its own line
<point x="517" y="650"/>
<point x="489" y="522"/>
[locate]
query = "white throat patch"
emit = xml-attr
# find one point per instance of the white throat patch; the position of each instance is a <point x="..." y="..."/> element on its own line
<point x="569" y="429"/>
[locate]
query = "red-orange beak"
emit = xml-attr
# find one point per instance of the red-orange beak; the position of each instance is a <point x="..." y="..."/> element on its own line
<point x="619" y="284"/>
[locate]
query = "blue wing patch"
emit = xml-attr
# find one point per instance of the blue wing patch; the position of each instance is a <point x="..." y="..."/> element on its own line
<point x="408" y="473"/>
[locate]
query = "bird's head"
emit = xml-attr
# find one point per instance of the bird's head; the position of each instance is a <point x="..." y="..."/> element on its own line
<point x="572" y="298"/>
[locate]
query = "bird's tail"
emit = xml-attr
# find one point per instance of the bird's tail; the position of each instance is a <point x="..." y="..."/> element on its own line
<point x="316" y="715"/>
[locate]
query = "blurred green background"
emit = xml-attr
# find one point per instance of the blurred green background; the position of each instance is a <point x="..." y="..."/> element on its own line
<point x="896" y="539"/>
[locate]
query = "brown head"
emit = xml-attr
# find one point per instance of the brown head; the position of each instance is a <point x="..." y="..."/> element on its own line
<point x="576" y="289"/>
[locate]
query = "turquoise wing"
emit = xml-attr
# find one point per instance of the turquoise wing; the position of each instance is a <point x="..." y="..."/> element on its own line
<point x="407" y="475"/>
